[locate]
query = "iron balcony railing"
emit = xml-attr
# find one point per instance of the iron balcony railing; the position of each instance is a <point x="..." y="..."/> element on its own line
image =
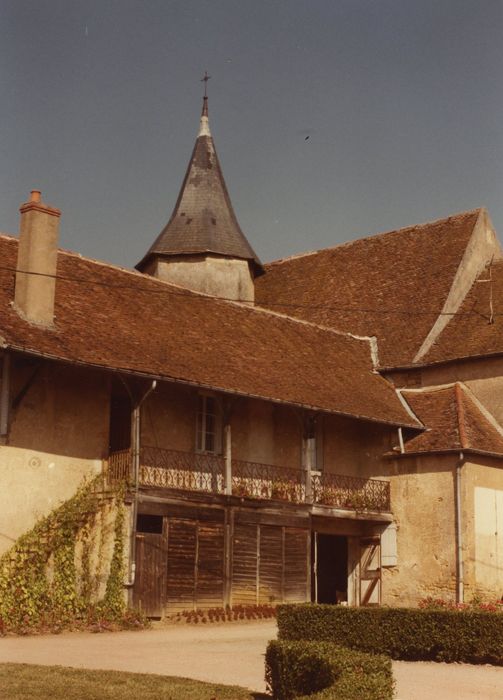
<point x="190" y="471"/>
<point x="257" y="480"/>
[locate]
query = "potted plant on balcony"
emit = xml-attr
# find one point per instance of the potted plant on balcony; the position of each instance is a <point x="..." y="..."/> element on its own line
<point x="359" y="501"/>
<point x="331" y="496"/>
<point x="284" y="491"/>
<point x="241" y="489"/>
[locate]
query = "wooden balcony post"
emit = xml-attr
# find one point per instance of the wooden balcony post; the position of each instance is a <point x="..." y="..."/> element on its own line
<point x="5" y="396"/>
<point x="307" y="460"/>
<point x="228" y="458"/>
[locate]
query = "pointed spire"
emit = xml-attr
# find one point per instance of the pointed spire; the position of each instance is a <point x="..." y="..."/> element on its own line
<point x="203" y="220"/>
<point x="204" y="124"/>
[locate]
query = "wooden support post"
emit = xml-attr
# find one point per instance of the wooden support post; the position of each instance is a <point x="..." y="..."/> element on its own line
<point x="228" y="544"/>
<point x="309" y="563"/>
<point x="228" y="458"/>
<point x="257" y="573"/>
<point x="307" y="457"/>
<point x="5" y="396"/>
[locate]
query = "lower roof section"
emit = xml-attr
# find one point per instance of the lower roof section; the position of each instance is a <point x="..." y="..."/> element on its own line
<point x="120" y="320"/>
<point x="455" y="421"/>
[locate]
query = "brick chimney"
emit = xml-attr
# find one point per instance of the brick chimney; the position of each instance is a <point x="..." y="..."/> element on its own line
<point x="36" y="261"/>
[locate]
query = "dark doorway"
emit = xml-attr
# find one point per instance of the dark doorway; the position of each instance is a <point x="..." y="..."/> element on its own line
<point x="120" y="422"/>
<point x="330" y="568"/>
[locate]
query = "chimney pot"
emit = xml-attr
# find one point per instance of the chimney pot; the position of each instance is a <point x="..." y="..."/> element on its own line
<point x="35" y="196"/>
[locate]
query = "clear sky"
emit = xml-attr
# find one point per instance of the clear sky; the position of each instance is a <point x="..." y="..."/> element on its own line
<point x="402" y="102"/>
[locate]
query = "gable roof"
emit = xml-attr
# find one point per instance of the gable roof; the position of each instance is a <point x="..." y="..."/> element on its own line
<point x="203" y="220"/>
<point x="474" y="331"/>
<point x="392" y="285"/>
<point x="116" y="319"/>
<point x="454" y="421"/>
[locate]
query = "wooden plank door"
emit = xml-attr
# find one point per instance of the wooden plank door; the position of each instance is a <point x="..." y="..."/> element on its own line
<point x="245" y="564"/>
<point x="370" y="571"/>
<point x="296" y="563"/>
<point x="150" y="578"/>
<point x="210" y="565"/>
<point x="181" y="565"/>
<point x="270" y="565"/>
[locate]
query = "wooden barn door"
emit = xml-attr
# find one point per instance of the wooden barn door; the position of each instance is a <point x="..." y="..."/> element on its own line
<point x="195" y="577"/>
<point x="270" y="564"/>
<point x="244" y="564"/>
<point x="270" y="569"/>
<point x="210" y="565"/>
<point x="182" y="562"/>
<point x="296" y="563"/>
<point x="370" y="571"/>
<point x="150" y="577"/>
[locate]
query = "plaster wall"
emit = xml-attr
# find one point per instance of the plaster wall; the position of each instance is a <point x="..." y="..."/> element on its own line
<point x="227" y="278"/>
<point x="267" y="433"/>
<point x="261" y="431"/>
<point x="422" y="497"/>
<point x="356" y="448"/>
<point x="58" y="435"/>
<point x="169" y="418"/>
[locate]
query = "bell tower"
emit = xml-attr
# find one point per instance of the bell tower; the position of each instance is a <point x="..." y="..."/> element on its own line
<point x="202" y="246"/>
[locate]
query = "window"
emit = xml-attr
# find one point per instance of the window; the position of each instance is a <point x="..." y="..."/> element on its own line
<point x="209" y="424"/>
<point x="314" y="444"/>
<point x="149" y="523"/>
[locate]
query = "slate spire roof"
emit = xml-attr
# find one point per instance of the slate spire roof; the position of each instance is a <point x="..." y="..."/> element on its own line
<point x="203" y="220"/>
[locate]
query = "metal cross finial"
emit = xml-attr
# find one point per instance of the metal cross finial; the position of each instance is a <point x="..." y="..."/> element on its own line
<point x="205" y="81"/>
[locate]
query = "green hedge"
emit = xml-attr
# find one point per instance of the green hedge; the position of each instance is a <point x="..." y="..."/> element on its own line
<point x="413" y="634"/>
<point x="324" y="671"/>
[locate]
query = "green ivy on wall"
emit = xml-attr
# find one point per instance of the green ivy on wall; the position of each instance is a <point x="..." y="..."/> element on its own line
<point x="40" y="585"/>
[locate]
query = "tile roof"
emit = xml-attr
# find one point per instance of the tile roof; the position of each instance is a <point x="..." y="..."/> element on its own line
<point x="203" y="220"/>
<point x="116" y="319"/>
<point x="470" y="332"/>
<point x="392" y="285"/>
<point x="455" y="421"/>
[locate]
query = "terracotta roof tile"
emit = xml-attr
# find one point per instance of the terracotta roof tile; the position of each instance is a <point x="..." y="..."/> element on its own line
<point x="470" y="333"/>
<point x="112" y="318"/>
<point x="454" y="420"/>
<point x="391" y="285"/>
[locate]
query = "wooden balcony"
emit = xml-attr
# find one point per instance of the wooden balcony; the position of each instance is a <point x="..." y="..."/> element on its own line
<point x="187" y="471"/>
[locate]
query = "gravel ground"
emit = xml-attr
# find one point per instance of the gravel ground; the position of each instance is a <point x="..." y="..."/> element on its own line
<point x="229" y="653"/>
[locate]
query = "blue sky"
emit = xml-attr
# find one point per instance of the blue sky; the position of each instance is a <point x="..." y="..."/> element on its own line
<point x="401" y="99"/>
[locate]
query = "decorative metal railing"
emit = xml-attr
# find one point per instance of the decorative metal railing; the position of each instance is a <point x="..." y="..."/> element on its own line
<point x="181" y="470"/>
<point x="265" y="481"/>
<point x="206" y="472"/>
<point x="351" y="492"/>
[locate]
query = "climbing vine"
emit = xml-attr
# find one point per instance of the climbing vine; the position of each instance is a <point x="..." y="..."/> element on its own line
<point x="113" y="602"/>
<point x="46" y="583"/>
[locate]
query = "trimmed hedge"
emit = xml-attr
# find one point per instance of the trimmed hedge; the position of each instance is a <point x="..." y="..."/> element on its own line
<point x="324" y="671"/>
<point x="409" y="634"/>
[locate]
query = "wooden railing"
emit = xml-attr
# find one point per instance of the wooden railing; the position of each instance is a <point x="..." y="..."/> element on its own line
<point x="206" y="472"/>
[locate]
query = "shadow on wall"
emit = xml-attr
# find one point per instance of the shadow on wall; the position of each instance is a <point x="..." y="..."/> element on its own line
<point x="59" y="410"/>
